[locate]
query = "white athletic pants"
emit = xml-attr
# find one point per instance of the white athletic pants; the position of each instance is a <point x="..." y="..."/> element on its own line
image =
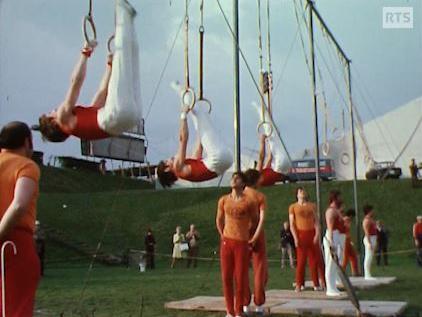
<point x="217" y="157"/>
<point x="122" y="110"/>
<point x="340" y="251"/>
<point x="330" y="266"/>
<point x="274" y="143"/>
<point x="369" y="255"/>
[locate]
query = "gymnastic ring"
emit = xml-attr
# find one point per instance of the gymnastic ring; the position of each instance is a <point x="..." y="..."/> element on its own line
<point x="325" y="148"/>
<point x="261" y="125"/>
<point x="88" y="20"/>
<point x="345" y="158"/>
<point x="110" y="40"/>
<point x="191" y="103"/>
<point x="205" y="101"/>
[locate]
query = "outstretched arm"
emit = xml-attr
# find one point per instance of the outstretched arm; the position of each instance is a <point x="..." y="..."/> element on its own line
<point x="261" y="156"/>
<point x="101" y="95"/>
<point x="183" y="142"/>
<point x="64" y="112"/>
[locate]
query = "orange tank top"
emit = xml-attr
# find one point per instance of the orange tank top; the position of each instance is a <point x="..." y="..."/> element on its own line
<point x="199" y="172"/>
<point x="269" y="177"/>
<point x="87" y="127"/>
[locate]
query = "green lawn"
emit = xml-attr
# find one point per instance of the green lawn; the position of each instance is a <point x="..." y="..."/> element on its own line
<point x="128" y="209"/>
<point x="117" y="291"/>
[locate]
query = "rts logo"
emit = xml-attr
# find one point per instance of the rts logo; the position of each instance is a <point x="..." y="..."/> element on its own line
<point x="397" y="17"/>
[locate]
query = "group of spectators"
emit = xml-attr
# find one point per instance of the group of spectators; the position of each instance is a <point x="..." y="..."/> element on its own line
<point x="186" y="246"/>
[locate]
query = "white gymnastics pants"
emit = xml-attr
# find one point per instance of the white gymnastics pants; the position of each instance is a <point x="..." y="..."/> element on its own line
<point x="122" y="110"/>
<point x="369" y="255"/>
<point x="217" y="157"/>
<point x="330" y="267"/>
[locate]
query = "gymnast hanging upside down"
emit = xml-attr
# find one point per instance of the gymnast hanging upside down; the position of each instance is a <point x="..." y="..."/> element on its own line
<point x="270" y="166"/>
<point x="198" y="167"/>
<point x="116" y="106"/>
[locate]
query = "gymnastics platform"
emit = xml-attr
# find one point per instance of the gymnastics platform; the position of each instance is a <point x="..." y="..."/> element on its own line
<point x="287" y="302"/>
<point x="360" y="283"/>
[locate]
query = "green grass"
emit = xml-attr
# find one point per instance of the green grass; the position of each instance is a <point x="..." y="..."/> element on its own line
<point x="93" y="201"/>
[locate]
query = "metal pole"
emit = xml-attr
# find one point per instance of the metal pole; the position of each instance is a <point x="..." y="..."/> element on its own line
<point x="352" y="129"/>
<point x="236" y="97"/>
<point x="315" y="108"/>
<point x="330" y="34"/>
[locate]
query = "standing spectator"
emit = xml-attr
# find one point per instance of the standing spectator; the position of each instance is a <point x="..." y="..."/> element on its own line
<point x="150" y="249"/>
<point x="178" y="239"/>
<point x="382" y="243"/>
<point x="192" y="238"/>
<point x="287" y="244"/>
<point x="370" y="240"/>
<point x="19" y="177"/>
<point x="417" y="236"/>
<point x="39" y="238"/>
<point x="414" y="172"/>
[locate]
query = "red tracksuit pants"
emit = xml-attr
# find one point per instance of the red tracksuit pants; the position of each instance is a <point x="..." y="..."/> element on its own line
<point x="320" y="264"/>
<point x="260" y="272"/>
<point x="306" y="250"/>
<point x="350" y="256"/>
<point x="234" y="259"/>
<point x="22" y="272"/>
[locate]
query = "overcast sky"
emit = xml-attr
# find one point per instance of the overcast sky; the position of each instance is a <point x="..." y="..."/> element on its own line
<point x="40" y="42"/>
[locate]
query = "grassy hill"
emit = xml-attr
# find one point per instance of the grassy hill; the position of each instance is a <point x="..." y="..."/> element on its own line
<point x="92" y="200"/>
<point x="122" y="209"/>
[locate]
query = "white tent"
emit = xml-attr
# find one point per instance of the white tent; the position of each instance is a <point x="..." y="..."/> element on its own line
<point x="396" y="136"/>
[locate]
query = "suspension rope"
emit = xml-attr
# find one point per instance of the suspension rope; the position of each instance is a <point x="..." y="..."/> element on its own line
<point x="163" y="71"/>
<point x="188" y="96"/>
<point x="263" y="80"/>
<point x="270" y="73"/>
<point x="88" y="19"/>
<point x="201" y="98"/>
<point x="283" y="68"/>
<point x="254" y="81"/>
<point x="364" y="91"/>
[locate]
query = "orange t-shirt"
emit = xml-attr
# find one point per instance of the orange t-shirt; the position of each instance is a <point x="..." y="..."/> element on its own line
<point x="13" y="167"/>
<point x="237" y="216"/>
<point x="260" y="203"/>
<point x="304" y="215"/>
